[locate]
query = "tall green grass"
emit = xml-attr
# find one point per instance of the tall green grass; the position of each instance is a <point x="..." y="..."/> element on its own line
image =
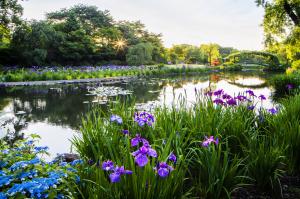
<point x="251" y="151"/>
<point x="27" y="75"/>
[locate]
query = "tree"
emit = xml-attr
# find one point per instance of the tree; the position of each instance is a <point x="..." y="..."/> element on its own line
<point x="140" y="54"/>
<point x="4" y="37"/>
<point x="36" y="43"/>
<point x="89" y="18"/>
<point x="211" y="51"/>
<point x="281" y="25"/>
<point x="10" y="13"/>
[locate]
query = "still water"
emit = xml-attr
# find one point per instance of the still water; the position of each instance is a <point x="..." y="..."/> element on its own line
<point x="55" y="112"/>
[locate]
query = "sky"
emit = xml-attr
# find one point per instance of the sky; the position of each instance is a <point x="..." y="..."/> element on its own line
<point x="230" y="23"/>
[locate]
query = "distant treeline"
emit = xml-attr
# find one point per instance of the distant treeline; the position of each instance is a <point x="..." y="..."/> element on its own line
<point x="85" y="35"/>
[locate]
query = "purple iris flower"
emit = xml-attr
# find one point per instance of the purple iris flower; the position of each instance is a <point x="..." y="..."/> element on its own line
<point x="141" y="155"/>
<point x="273" y="111"/>
<point x="241" y="98"/>
<point x="108" y="165"/>
<point x="226" y="96"/>
<point x="209" y="93"/>
<point x="250" y="92"/>
<point x="218" y="92"/>
<point x="125" y="132"/>
<point x="138" y="139"/>
<point x="251" y="108"/>
<point x="289" y="86"/>
<point x="231" y="102"/>
<point x="118" y="172"/>
<point x="262" y="97"/>
<point x="208" y="140"/>
<point x="116" y="118"/>
<point x="144" y="118"/>
<point x="218" y="101"/>
<point x="172" y="157"/>
<point x="163" y="169"/>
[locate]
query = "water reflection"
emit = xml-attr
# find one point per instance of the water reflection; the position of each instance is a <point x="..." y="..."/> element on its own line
<point x="55" y="112"/>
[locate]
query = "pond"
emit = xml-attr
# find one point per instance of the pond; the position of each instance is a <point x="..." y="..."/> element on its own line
<point x="55" y="112"/>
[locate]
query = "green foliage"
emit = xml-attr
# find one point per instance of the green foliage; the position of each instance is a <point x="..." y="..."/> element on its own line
<point x="264" y="162"/>
<point x="281" y="25"/>
<point x="10" y="13"/>
<point x="282" y="82"/>
<point x="296" y="65"/>
<point x="215" y="173"/>
<point x="140" y="54"/>
<point x="211" y="51"/>
<point x="288" y="132"/>
<point x="79" y="35"/>
<point x="250" y="151"/>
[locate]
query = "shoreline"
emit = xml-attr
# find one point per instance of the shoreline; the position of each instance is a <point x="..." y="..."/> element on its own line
<point x="105" y="80"/>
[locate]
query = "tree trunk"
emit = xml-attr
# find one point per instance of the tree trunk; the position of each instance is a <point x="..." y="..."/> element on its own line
<point x="291" y="13"/>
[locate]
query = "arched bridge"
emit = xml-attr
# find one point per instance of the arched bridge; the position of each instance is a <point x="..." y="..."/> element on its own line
<point x="266" y="59"/>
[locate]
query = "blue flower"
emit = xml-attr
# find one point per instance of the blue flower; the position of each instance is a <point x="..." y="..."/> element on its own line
<point x="172" y="157"/>
<point x="5" y="180"/>
<point x="163" y="169"/>
<point x="251" y="108"/>
<point x="218" y="92"/>
<point x="63" y="164"/>
<point x="29" y="174"/>
<point x="72" y="169"/>
<point x="262" y="97"/>
<point x="2" y="195"/>
<point x="2" y="164"/>
<point x="138" y="139"/>
<point x="2" y="173"/>
<point x="75" y="162"/>
<point x="108" y="165"/>
<point x="116" y="118"/>
<point x="39" y="149"/>
<point x="24" y="164"/>
<point x="29" y="142"/>
<point x="273" y="111"/>
<point x="143" y="119"/>
<point x="141" y="154"/>
<point x="5" y="151"/>
<point x="118" y="172"/>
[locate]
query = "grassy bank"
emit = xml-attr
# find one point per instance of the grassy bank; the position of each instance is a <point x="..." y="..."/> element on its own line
<point x="286" y="84"/>
<point x="20" y="75"/>
<point x="250" y="149"/>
